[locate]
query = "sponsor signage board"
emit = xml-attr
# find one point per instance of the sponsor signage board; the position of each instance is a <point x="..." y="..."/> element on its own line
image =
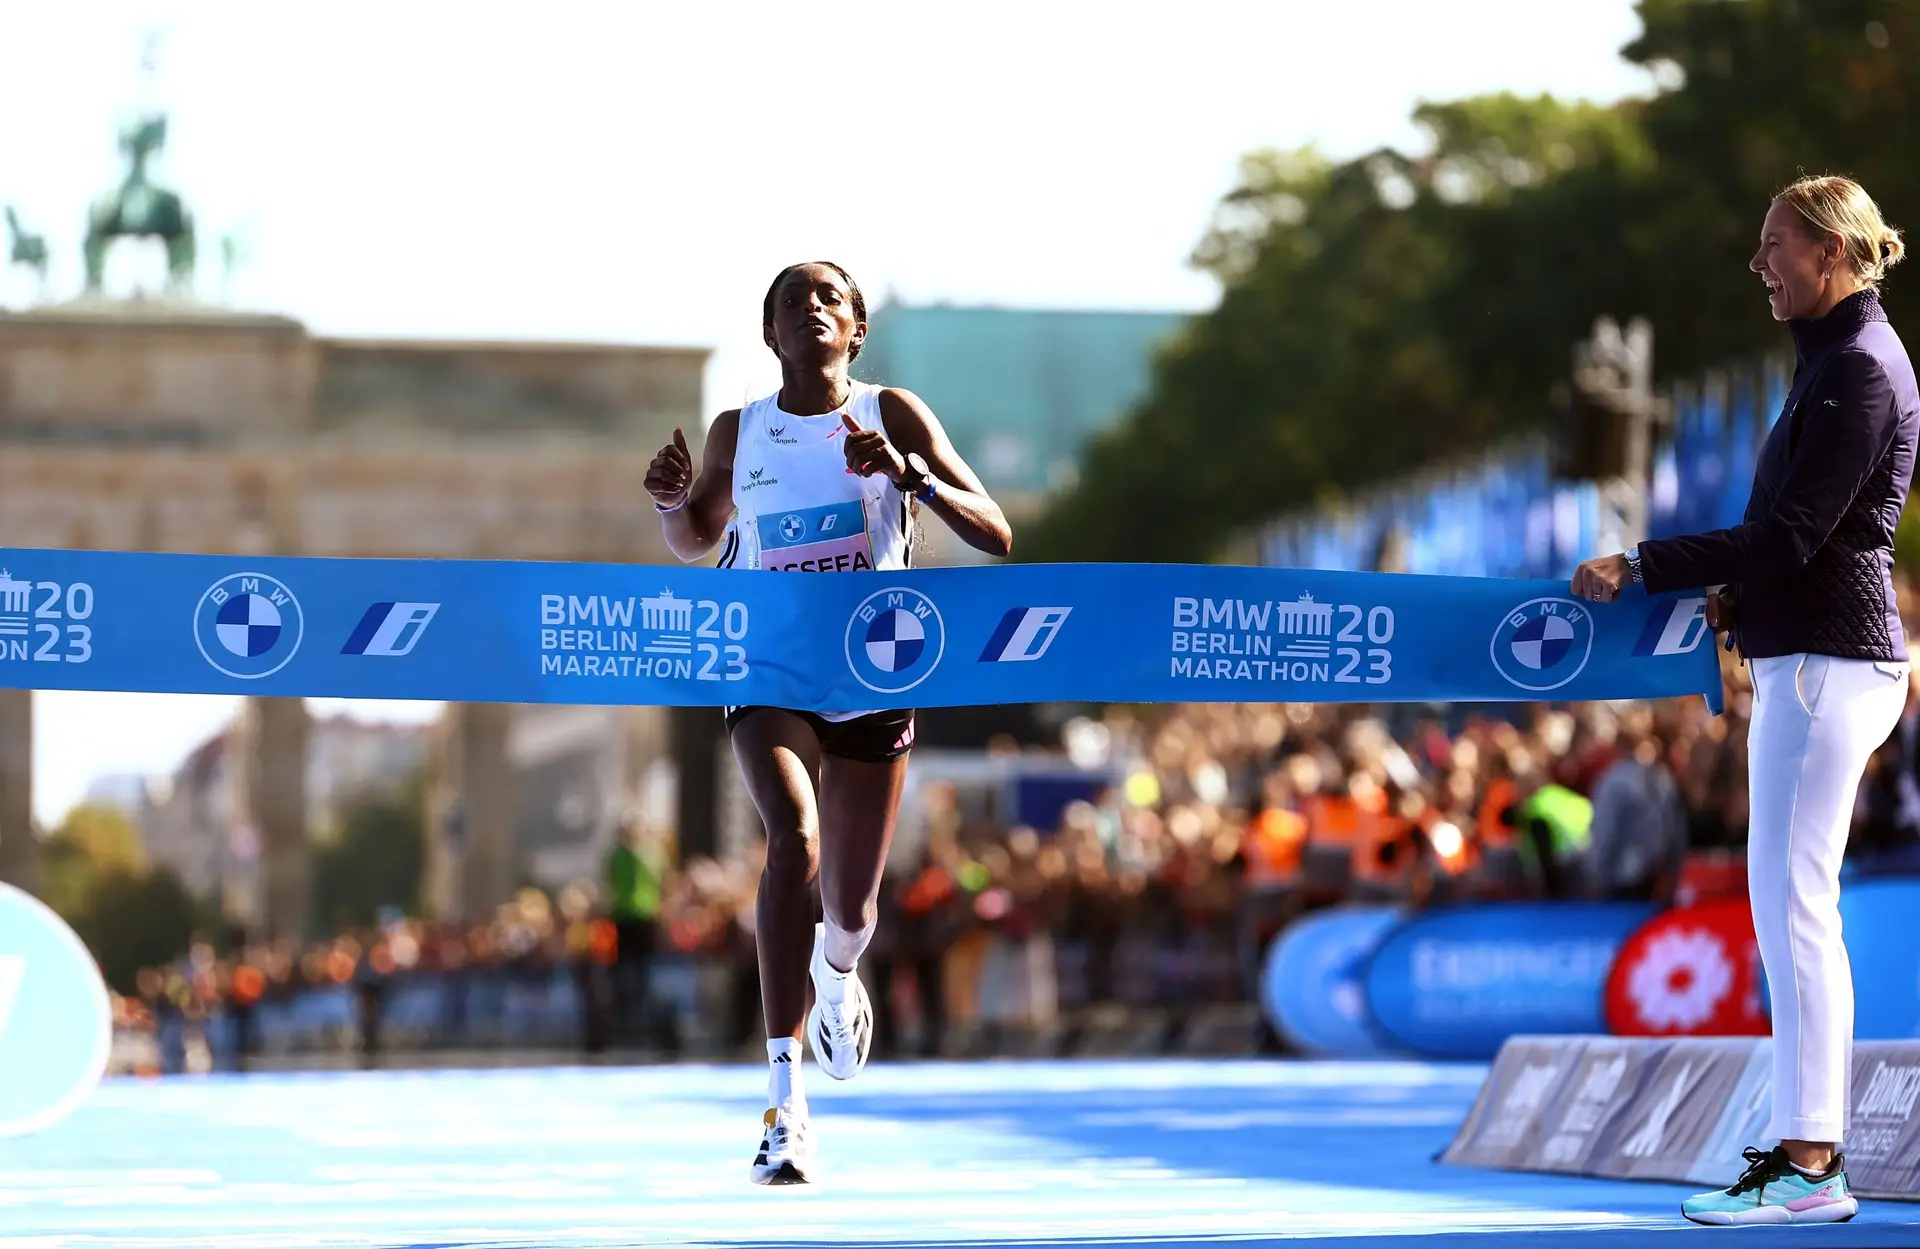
<point x="56" y="1026"/>
<point x="1678" y="1110"/>
<point x="1877" y="920"/>
<point x="1503" y="1128"/>
<point x="1694" y="971"/>
<point x="1313" y="985"/>
<point x="1457" y="983"/>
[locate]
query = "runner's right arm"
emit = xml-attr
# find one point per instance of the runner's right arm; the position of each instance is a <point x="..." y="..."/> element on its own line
<point x="695" y="509"/>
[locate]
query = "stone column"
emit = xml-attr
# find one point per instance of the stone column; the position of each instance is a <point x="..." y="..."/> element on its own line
<point x="19" y="848"/>
<point x="647" y="737"/>
<point x="472" y="858"/>
<point x="698" y="733"/>
<point x="272" y="777"/>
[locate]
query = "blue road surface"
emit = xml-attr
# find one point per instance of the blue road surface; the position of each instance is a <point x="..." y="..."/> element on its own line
<point x="1085" y="1154"/>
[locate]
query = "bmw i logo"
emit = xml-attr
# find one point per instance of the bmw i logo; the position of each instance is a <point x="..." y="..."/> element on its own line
<point x="248" y="625"/>
<point x="895" y="640"/>
<point x="1544" y="643"/>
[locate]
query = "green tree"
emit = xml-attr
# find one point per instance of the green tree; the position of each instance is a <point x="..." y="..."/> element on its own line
<point x="1367" y="325"/>
<point x="1382" y="313"/>
<point x="96" y="876"/>
<point x="91" y="842"/>
<point x="1768" y="90"/>
<point x="376" y="860"/>
<point x="135" y="921"/>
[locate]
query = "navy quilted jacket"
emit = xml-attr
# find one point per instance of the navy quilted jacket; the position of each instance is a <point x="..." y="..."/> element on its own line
<point x="1812" y="562"/>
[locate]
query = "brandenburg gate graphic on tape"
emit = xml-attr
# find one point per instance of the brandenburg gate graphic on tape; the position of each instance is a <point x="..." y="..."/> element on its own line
<point x="157" y="422"/>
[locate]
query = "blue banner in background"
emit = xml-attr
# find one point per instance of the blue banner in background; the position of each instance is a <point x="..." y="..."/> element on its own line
<point x="1506" y="515"/>
<point x="1314" y="987"/>
<point x="674" y="636"/>
<point x="1883" y="944"/>
<point x="1458" y="983"/>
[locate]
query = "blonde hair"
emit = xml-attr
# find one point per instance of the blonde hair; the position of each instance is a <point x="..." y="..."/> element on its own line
<point x="1833" y="205"/>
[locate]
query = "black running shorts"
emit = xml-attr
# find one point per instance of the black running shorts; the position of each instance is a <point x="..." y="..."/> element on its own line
<point x="880" y="737"/>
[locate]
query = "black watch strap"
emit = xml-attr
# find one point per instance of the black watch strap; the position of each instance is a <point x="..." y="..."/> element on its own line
<point x="915" y="479"/>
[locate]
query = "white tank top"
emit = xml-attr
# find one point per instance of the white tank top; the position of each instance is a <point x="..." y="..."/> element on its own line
<point x="797" y="506"/>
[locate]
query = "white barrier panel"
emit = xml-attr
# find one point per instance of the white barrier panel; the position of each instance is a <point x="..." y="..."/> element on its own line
<point x="1676" y="1109"/>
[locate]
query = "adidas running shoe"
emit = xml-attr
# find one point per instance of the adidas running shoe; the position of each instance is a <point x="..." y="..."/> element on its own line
<point x="1773" y="1190"/>
<point x="786" y="1149"/>
<point x="840" y="1035"/>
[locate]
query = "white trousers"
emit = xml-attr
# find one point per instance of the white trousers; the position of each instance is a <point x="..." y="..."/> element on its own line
<point x="1816" y="720"/>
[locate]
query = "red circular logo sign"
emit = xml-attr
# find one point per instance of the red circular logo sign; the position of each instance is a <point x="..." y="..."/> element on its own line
<point x="1690" y="972"/>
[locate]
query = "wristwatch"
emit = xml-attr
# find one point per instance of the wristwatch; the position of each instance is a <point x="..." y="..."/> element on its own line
<point x="918" y="480"/>
<point x="1633" y="566"/>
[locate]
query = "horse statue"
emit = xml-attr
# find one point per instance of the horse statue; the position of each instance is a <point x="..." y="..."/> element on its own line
<point x="138" y="208"/>
<point x="28" y="249"/>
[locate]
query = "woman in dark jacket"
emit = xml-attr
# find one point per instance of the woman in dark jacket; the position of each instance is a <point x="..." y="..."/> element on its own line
<point x="1810" y="604"/>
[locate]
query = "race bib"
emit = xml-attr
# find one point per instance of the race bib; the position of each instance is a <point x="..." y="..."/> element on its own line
<point x="817" y="539"/>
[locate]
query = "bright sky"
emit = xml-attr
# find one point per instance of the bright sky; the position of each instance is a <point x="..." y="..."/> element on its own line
<point x="639" y="171"/>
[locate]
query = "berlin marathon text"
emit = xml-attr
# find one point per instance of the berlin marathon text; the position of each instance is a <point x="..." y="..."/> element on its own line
<point x="1252" y="669"/>
<point x="595" y="636"/>
<point x="614" y="640"/>
<point x="662" y="667"/>
<point x="1295" y="640"/>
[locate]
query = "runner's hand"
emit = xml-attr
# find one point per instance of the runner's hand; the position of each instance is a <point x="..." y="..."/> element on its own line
<point x="869" y="452"/>
<point x="670" y="475"/>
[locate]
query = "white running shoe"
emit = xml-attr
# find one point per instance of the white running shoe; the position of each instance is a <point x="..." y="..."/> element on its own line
<point x="786" y="1149"/>
<point x="840" y="1035"/>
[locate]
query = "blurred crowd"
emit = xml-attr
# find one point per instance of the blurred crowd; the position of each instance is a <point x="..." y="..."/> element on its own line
<point x="1137" y="921"/>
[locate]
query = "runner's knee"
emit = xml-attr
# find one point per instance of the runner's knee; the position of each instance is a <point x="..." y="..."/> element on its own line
<point x="793" y="849"/>
<point x="856" y="918"/>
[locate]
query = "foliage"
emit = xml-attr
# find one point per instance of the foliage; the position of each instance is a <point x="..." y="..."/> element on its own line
<point x="95" y="875"/>
<point x="135" y="921"/>
<point x="1382" y="313"/>
<point x="376" y="861"/>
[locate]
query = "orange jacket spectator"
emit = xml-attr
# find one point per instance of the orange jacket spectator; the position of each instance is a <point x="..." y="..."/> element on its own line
<point x="1271" y="846"/>
<point x="1338" y="819"/>
<point x="1501" y="794"/>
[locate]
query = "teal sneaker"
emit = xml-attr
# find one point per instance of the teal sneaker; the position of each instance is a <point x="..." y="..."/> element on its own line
<point x="1773" y="1191"/>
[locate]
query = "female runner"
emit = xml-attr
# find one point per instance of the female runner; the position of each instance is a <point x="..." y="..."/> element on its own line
<point x="827" y="474"/>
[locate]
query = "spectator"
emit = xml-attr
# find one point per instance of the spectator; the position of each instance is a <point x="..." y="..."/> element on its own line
<point x="1639" y="832"/>
<point x="634" y="872"/>
<point x="1117" y="928"/>
<point x="1555" y="829"/>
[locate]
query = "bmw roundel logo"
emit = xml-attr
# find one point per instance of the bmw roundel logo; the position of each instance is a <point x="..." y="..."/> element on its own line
<point x="248" y="625"/>
<point x="792" y="528"/>
<point x="895" y="639"/>
<point x="1544" y="643"/>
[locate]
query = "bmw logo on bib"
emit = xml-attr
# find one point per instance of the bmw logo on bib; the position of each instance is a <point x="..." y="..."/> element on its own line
<point x="895" y="639"/>
<point x="1543" y="643"/>
<point x="248" y="625"/>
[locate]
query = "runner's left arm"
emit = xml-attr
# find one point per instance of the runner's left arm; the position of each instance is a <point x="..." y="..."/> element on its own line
<point x="961" y="501"/>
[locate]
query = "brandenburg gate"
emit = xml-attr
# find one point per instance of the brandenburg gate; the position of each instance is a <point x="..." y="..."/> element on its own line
<point x="163" y="426"/>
